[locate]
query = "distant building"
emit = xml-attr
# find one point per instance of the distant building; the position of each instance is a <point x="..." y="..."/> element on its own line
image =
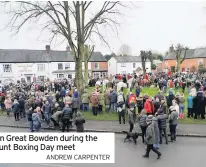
<point x="126" y="64"/>
<point x="194" y="58"/>
<point x="158" y="64"/>
<point x="19" y="64"/>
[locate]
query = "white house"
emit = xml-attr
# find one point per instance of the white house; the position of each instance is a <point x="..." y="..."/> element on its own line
<point x="126" y="64"/>
<point x="17" y="64"/>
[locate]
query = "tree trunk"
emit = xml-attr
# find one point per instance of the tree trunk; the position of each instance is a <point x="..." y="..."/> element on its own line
<point x="86" y="72"/>
<point x="79" y="77"/>
<point x="178" y="64"/>
<point x="143" y="67"/>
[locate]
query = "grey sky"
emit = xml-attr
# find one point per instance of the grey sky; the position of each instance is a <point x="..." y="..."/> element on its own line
<point x="152" y="25"/>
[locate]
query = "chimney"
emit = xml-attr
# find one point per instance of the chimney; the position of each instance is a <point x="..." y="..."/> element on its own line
<point x="68" y="49"/>
<point x="47" y="48"/>
<point x="171" y="48"/>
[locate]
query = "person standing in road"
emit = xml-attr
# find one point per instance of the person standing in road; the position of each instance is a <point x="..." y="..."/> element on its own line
<point x="15" y="109"/>
<point x="157" y="136"/>
<point x="56" y="117"/>
<point x="162" y="122"/>
<point x="8" y="104"/>
<point x="131" y="117"/>
<point x="66" y="117"/>
<point x="173" y="120"/>
<point x="79" y="122"/>
<point x="150" y="138"/>
<point x="143" y="124"/>
<point x="21" y="107"/>
<point x="36" y="119"/>
<point x="47" y="112"/>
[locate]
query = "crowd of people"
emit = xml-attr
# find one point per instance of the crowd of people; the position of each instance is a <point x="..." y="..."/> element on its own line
<point x="59" y="102"/>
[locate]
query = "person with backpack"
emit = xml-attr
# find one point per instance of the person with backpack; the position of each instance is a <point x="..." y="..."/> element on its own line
<point x="121" y="107"/>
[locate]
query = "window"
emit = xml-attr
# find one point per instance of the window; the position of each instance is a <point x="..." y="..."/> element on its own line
<point x="96" y="74"/>
<point x="67" y="66"/>
<point x="104" y="74"/>
<point x="123" y="64"/>
<point x="7" y="68"/>
<point x="40" y="67"/>
<point x="60" y="76"/>
<point x="96" y="66"/>
<point x="41" y="78"/>
<point x="134" y="65"/>
<point x="60" y="66"/>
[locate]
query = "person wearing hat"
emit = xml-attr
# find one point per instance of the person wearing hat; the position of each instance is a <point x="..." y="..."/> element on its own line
<point x="173" y="121"/>
<point x="150" y="138"/>
<point x="79" y="122"/>
<point x="131" y="116"/>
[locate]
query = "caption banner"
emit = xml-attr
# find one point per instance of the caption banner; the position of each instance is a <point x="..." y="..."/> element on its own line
<point x="57" y="147"/>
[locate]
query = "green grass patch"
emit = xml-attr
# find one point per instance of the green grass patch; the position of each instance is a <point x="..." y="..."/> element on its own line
<point x="146" y="90"/>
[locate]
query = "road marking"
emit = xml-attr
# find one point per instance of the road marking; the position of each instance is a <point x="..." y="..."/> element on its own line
<point x="56" y="165"/>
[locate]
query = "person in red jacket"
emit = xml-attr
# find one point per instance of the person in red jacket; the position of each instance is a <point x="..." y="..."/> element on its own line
<point x="171" y="84"/>
<point x="169" y="73"/>
<point x="149" y="106"/>
<point x="146" y="76"/>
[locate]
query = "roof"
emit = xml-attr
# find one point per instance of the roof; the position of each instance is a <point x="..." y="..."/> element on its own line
<point x="33" y="56"/>
<point x="72" y="71"/>
<point x="157" y="61"/>
<point x="128" y="59"/>
<point x="190" y="54"/>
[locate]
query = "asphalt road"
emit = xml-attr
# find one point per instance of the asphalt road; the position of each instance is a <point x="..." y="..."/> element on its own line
<point x="188" y="152"/>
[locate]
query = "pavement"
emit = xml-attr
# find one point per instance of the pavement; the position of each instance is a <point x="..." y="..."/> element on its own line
<point x="190" y="130"/>
<point x="188" y="152"/>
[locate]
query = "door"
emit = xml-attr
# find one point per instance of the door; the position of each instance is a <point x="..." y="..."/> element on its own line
<point x="28" y="78"/>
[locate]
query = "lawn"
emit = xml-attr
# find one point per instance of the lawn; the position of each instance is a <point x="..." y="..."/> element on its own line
<point x="150" y="92"/>
<point x="113" y="116"/>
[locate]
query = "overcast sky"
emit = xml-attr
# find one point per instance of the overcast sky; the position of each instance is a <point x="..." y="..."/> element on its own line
<point x="152" y="25"/>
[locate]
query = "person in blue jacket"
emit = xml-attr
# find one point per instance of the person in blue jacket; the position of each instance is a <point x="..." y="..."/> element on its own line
<point x="190" y="106"/>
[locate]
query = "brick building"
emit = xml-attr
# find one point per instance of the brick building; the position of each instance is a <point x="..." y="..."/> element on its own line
<point x="194" y="58"/>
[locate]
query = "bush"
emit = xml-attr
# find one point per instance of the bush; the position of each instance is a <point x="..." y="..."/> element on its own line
<point x="202" y="70"/>
<point x="153" y="67"/>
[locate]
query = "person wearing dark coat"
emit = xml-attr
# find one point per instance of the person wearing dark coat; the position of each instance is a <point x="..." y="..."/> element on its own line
<point x="21" y="107"/>
<point x="150" y="138"/>
<point x="15" y="109"/>
<point x="66" y="117"/>
<point x="156" y="104"/>
<point x="199" y="105"/>
<point x="162" y="122"/>
<point x="79" y="122"/>
<point x="169" y="98"/>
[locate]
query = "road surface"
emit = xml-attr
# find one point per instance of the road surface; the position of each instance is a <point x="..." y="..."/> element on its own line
<point x="188" y="152"/>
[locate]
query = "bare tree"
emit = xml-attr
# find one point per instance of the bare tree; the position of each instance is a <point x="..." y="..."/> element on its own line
<point x="144" y="56"/>
<point x="88" y="51"/>
<point x="125" y="50"/>
<point x="72" y="20"/>
<point x="178" y="53"/>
